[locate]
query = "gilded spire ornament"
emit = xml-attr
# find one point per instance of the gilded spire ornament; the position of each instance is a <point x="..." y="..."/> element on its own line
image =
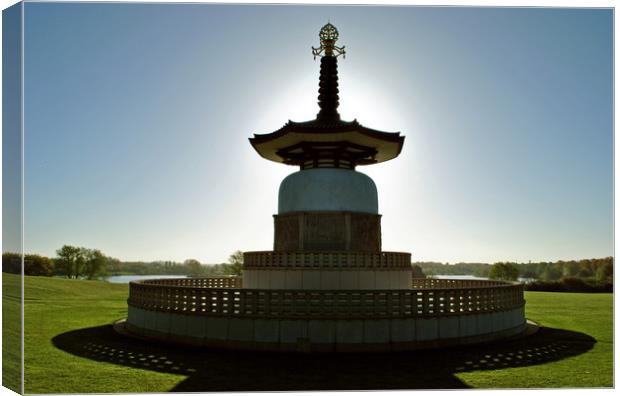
<point x="328" y="36"/>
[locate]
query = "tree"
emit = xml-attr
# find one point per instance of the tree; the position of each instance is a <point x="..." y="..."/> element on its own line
<point x="551" y="273"/>
<point x="504" y="271"/>
<point x="605" y="271"/>
<point x="417" y="271"/>
<point x="12" y="263"/>
<point x="585" y="269"/>
<point x="69" y="261"/>
<point x="75" y="262"/>
<point x="114" y="265"/>
<point x="194" y="268"/>
<point x="38" y="265"/>
<point x="235" y="264"/>
<point x="95" y="263"/>
<point x="570" y="269"/>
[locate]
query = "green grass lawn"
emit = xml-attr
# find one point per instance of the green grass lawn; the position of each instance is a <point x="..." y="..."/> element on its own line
<point x="70" y="347"/>
<point x="11" y="333"/>
<point x="589" y="314"/>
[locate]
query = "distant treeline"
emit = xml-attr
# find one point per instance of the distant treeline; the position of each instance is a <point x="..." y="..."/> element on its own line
<point x="572" y="285"/>
<point x="189" y="267"/>
<point x="431" y="268"/>
<point x="83" y="263"/>
<point x="589" y="275"/>
<point x="599" y="269"/>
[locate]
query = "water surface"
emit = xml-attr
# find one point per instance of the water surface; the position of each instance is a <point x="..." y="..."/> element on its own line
<point x="129" y="278"/>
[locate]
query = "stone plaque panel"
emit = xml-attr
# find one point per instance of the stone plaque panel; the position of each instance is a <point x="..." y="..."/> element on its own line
<point x="327" y="231"/>
<point x="365" y="232"/>
<point x="286" y="233"/>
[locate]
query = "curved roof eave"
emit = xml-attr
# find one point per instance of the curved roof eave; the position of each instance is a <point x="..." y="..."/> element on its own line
<point x="318" y="127"/>
<point x="387" y="148"/>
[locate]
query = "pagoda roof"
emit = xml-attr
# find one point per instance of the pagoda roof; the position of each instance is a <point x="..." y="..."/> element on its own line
<point x="387" y="145"/>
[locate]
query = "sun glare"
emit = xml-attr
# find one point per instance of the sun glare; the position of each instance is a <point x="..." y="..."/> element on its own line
<point x="369" y="104"/>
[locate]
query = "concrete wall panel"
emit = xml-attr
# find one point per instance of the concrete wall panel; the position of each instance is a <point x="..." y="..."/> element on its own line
<point x="292" y="330"/>
<point x="382" y="279"/>
<point x="376" y="331"/>
<point x="330" y="280"/>
<point x="395" y="279"/>
<point x="178" y="324"/>
<point x="217" y="328"/>
<point x="162" y="322"/>
<point x="293" y="279"/>
<point x="349" y="279"/>
<point x="241" y="329"/>
<point x="367" y="280"/>
<point x="311" y="279"/>
<point x="515" y="317"/>
<point x="249" y="278"/>
<point x="426" y="329"/>
<point x="150" y="319"/>
<point x="404" y="280"/>
<point x="322" y="331"/>
<point x="519" y="316"/>
<point x="467" y="325"/>
<point x="266" y="330"/>
<point x="350" y="331"/>
<point x="196" y="326"/>
<point x="135" y="316"/>
<point x="449" y="327"/>
<point x="262" y="279"/>
<point x="402" y="330"/>
<point x="498" y="321"/>
<point x="277" y="279"/>
<point x="485" y="323"/>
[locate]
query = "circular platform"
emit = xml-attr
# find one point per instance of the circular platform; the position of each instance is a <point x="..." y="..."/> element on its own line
<point x="120" y="327"/>
<point x="433" y="313"/>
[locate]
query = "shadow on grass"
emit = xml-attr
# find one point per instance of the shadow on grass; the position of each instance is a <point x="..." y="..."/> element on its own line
<point x="213" y="370"/>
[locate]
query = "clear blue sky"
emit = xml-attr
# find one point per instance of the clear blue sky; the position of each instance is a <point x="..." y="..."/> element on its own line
<point x="137" y="118"/>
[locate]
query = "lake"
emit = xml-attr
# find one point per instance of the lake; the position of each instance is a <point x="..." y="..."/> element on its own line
<point x="129" y="278"/>
<point x="473" y="277"/>
<point x="464" y="277"/>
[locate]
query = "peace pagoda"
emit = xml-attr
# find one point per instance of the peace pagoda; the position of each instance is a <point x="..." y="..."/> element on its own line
<point x="326" y="286"/>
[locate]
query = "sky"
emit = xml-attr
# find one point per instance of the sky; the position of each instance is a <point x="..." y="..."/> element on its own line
<point x="136" y="120"/>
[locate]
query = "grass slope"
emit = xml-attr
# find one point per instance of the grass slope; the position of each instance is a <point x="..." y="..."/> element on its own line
<point x="590" y="314"/>
<point x="55" y="306"/>
<point x="11" y="333"/>
<point x="71" y="348"/>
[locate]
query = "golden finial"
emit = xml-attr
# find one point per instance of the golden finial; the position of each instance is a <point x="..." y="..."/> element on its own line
<point x="328" y="36"/>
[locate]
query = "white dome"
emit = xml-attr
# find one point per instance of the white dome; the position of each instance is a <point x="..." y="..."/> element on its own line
<point x="327" y="189"/>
